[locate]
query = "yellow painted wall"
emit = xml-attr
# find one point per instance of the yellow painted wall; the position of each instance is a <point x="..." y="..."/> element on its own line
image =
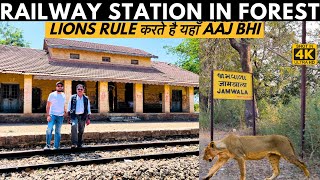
<point x="121" y="88"/>
<point x="27" y="94"/>
<point x="138" y="98"/>
<point x="46" y="86"/>
<point x="97" y="57"/>
<point x="12" y="79"/>
<point x="151" y="94"/>
<point x="91" y="93"/>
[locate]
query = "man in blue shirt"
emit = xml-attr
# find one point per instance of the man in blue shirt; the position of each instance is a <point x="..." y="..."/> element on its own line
<point x="79" y="112"/>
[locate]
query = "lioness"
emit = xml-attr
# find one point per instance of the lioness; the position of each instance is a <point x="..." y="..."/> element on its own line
<point x="243" y="148"/>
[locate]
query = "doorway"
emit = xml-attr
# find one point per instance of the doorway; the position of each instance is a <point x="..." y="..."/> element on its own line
<point x="36" y="101"/>
<point x="74" y="86"/>
<point x="129" y="97"/>
<point x="176" y="101"/>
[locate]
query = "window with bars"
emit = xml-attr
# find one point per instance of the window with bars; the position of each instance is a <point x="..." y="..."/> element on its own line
<point x="74" y="56"/>
<point x="10" y="91"/>
<point x="106" y="59"/>
<point x="133" y="61"/>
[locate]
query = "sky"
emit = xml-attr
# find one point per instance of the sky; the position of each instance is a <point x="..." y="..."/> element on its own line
<point x="33" y="33"/>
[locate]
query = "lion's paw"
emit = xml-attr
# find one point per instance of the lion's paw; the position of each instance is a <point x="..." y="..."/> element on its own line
<point x="206" y="178"/>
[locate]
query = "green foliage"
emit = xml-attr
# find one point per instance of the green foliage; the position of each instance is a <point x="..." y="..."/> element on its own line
<point x="204" y="120"/>
<point x="214" y="54"/>
<point x="12" y="36"/>
<point x="227" y="114"/>
<point x="285" y="120"/>
<point x="276" y="79"/>
<point x="196" y="107"/>
<point x="188" y="52"/>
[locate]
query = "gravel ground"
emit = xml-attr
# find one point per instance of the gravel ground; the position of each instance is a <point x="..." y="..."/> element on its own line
<point x="255" y="169"/>
<point x="177" y="168"/>
<point x="5" y="163"/>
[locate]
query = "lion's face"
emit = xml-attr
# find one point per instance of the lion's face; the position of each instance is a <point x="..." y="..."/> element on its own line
<point x="210" y="152"/>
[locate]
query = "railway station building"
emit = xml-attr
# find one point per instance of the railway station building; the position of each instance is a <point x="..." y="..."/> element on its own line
<point x="117" y="79"/>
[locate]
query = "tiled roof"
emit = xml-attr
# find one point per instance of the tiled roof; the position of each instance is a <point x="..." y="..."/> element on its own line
<point x="19" y="60"/>
<point x="80" y="45"/>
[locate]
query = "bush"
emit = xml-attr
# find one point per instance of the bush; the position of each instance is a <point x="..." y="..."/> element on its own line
<point x="204" y="120"/>
<point x="227" y="114"/>
<point x="285" y="120"/>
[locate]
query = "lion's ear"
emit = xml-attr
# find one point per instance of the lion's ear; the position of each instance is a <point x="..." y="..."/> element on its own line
<point x="212" y="145"/>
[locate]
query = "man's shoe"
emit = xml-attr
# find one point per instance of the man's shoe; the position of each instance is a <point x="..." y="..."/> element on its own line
<point x="56" y="148"/>
<point x="73" y="146"/>
<point x="80" y="146"/>
<point x="46" y="148"/>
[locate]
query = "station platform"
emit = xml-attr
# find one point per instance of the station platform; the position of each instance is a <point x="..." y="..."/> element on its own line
<point x="24" y="135"/>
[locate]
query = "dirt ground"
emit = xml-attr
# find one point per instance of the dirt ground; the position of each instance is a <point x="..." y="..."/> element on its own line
<point x="255" y="169"/>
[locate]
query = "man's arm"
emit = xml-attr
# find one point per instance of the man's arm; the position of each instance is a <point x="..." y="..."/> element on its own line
<point x="89" y="109"/>
<point x="48" y="108"/>
<point x="68" y="110"/>
<point x="69" y="105"/>
<point x="48" y="111"/>
<point x="89" y="112"/>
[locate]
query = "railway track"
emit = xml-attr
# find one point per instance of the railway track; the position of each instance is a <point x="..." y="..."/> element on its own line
<point x="29" y="153"/>
<point x="24" y="154"/>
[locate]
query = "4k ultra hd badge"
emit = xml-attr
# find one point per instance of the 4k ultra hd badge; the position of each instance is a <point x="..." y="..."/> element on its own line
<point x="304" y="54"/>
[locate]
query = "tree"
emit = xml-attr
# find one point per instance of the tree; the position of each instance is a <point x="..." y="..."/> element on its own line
<point x="12" y="36"/>
<point x="214" y="54"/>
<point x="188" y="53"/>
<point x="275" y="79"/>
<point x="244" y="49"/>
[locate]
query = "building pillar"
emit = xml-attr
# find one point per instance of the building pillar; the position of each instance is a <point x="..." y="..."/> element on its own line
<point x="138" y="98"/>
<point x="166" y="99"/>
<point x="67" y="91"/>
<point x="27" y="94"/>
<point x="103" y="97"/>
<point x="191" y="99"/>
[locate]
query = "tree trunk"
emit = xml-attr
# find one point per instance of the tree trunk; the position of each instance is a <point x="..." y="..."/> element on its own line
<point x="204" y="88"/>
<point x="243" y="48"/>
<point x="203" y="101"/>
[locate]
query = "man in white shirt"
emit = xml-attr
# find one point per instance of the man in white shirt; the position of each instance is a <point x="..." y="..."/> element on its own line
<point x="55" y="112"/>
<point x="79" y="111"/>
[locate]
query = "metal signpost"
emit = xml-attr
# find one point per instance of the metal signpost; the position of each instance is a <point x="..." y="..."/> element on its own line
<point x="303" y="54"/>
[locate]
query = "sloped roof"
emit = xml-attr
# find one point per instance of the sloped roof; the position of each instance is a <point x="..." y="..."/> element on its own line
<point x="80" y="45"/>
<point x="35" y="62"/>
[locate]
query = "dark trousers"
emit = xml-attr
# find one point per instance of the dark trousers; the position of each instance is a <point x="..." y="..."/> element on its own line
<point x="77" y="129"/>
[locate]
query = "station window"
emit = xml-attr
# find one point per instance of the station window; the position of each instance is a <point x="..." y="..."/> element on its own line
<point x="106" y="59"/>
<point x="74" y="56"/>
<point x="134" y="62"/>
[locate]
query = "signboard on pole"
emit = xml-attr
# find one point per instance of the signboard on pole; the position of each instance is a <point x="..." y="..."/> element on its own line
<point x="232" y="85"/>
